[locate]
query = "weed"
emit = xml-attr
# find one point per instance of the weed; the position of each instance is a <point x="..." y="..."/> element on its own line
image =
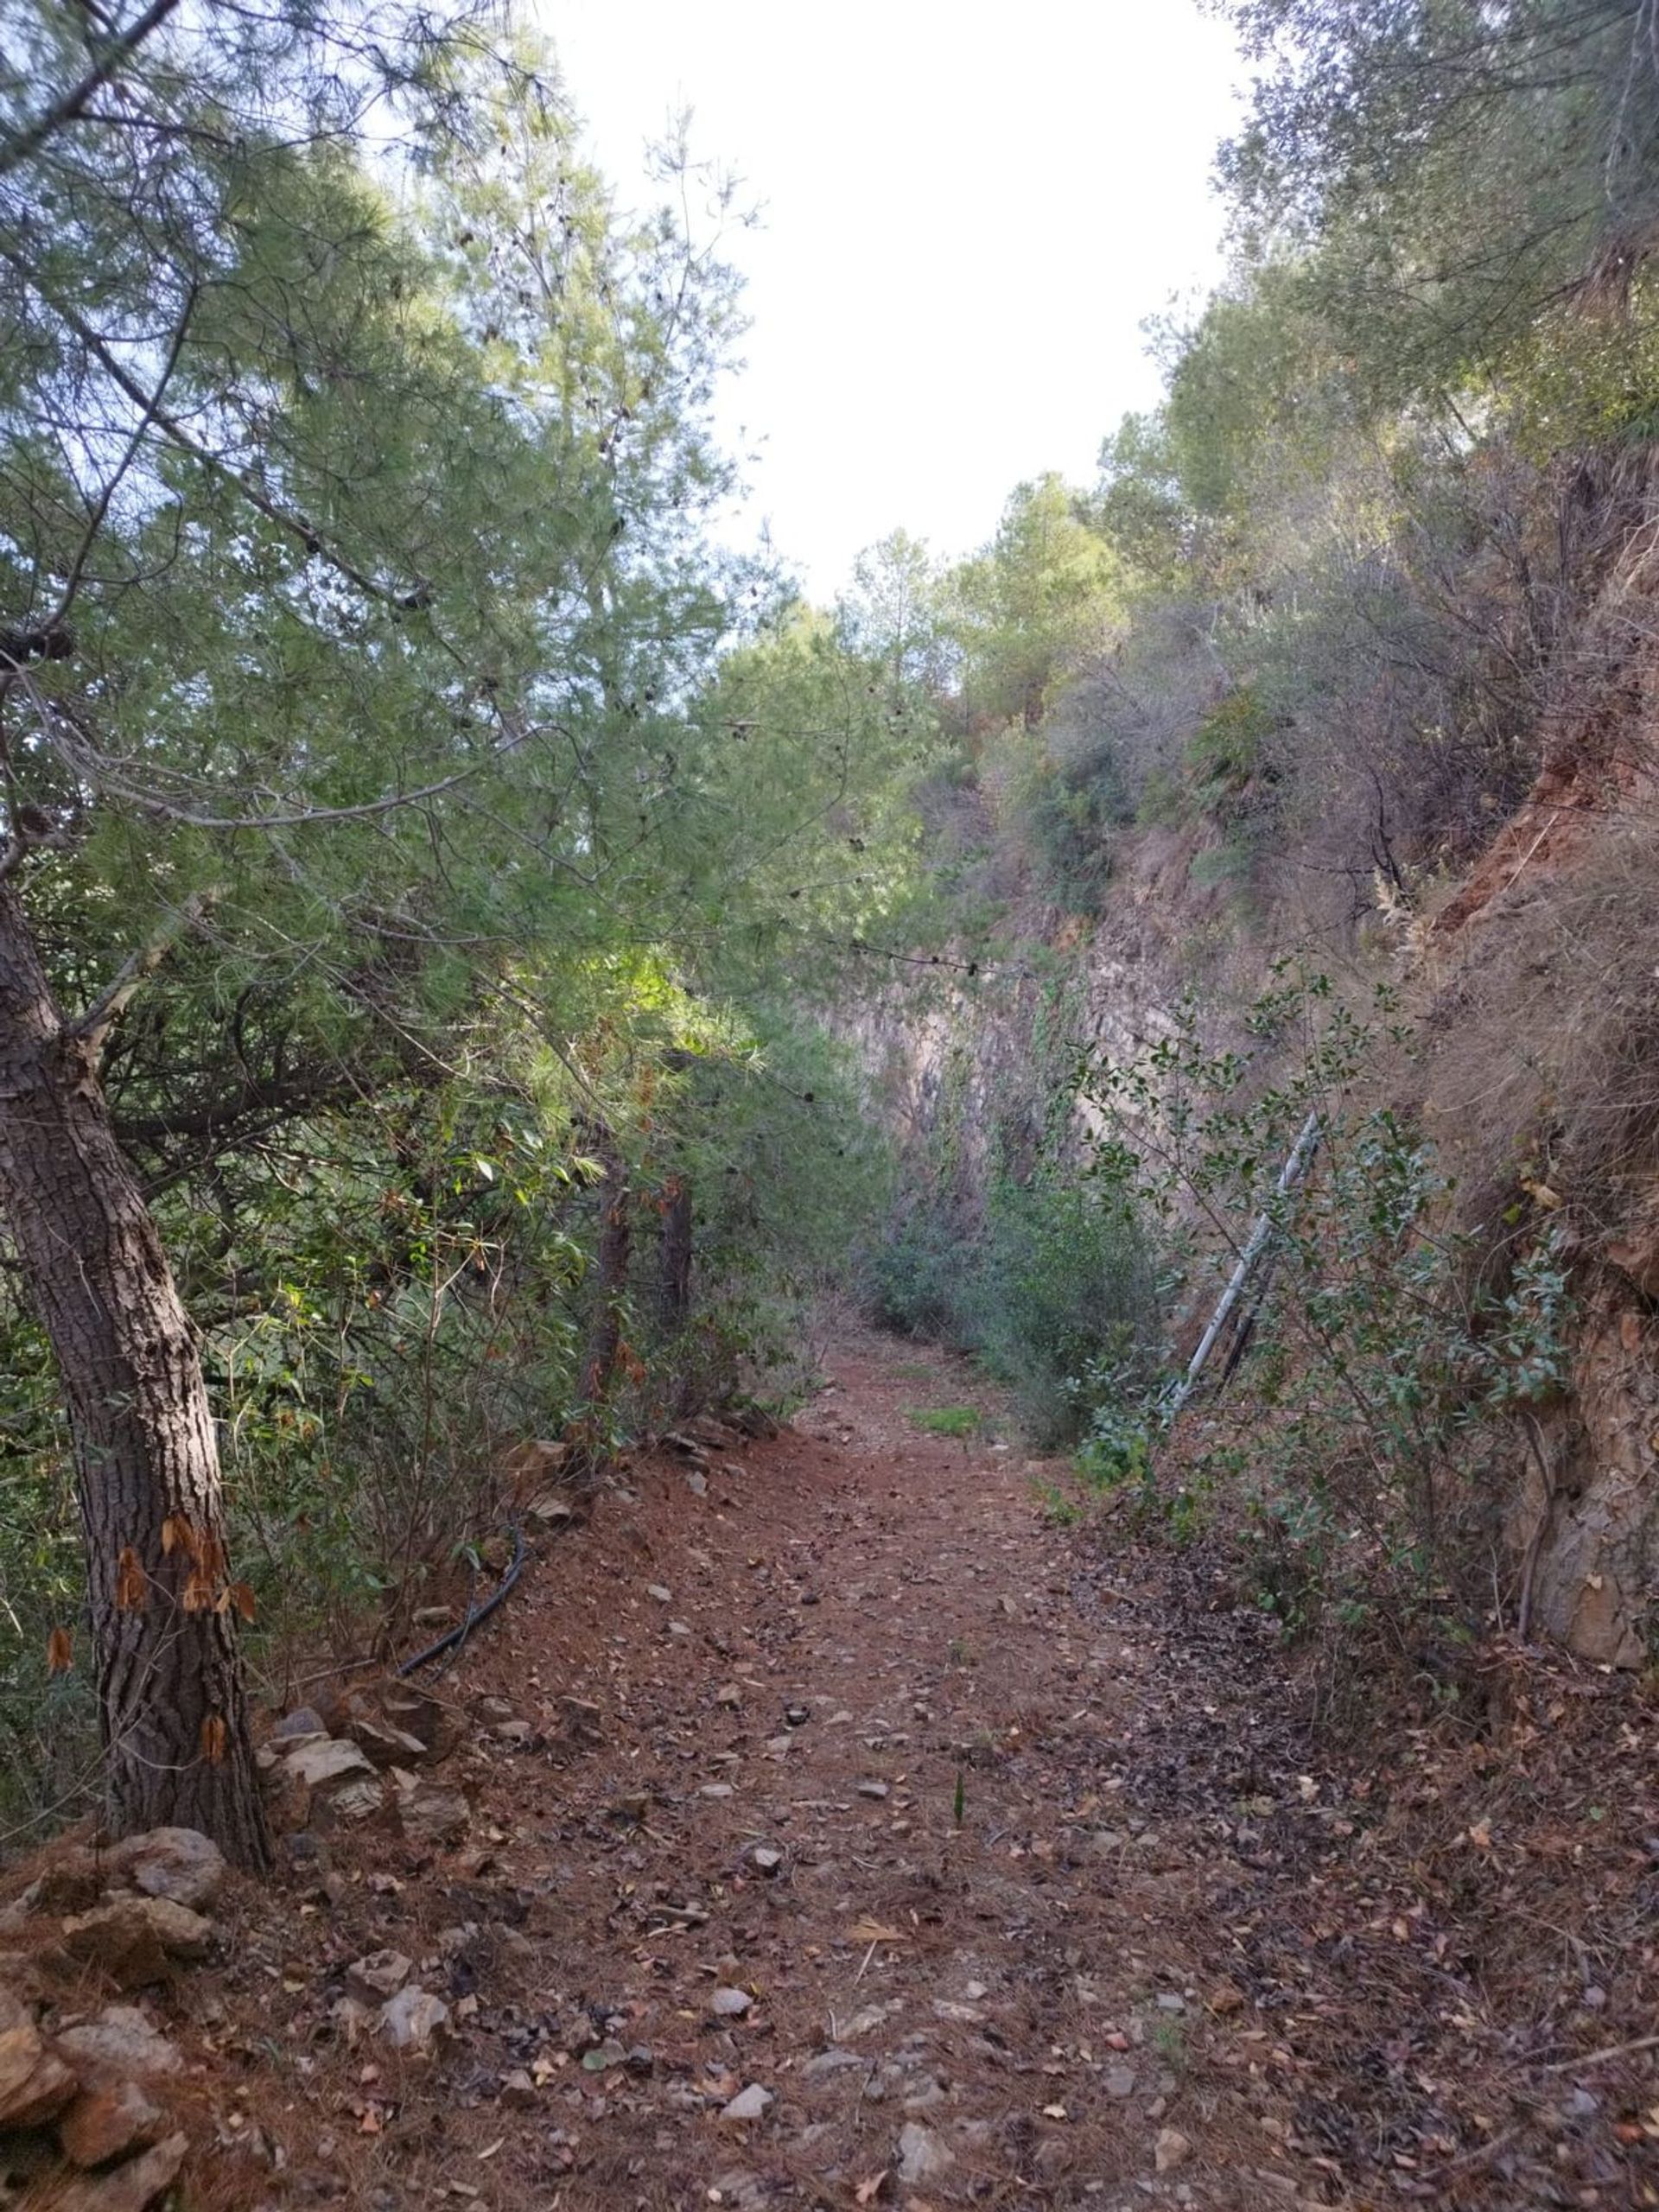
<point x="1060" y="1510"/>
<point x="946" y="1420"/>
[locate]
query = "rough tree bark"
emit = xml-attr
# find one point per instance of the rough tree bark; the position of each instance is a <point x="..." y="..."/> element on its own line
<point x="674" y="1259"/>
<point x="604" y="1345"/>
<point x="169" y="1680"/>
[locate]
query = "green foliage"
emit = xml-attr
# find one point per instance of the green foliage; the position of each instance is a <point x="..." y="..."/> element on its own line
<point x="1055" y="1292"/>
<point x="1391" y="1374"/>
<point x="1461" y="167"/>
<point x="946" y="1420"/>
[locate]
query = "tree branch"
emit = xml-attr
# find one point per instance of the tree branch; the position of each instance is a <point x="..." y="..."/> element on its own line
<point x="66" y="110"/>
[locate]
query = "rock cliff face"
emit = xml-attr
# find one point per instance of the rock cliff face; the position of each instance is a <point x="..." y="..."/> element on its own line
<point x="1537" y="993"/>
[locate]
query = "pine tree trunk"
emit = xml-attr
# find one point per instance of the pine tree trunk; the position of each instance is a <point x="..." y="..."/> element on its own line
<point x="173" y="1710"/>
<point x="674" y="1260"/>
<point x="604" y="1345"/>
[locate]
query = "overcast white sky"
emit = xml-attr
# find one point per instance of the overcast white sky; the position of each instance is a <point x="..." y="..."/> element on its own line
<point x="968" y="212"/>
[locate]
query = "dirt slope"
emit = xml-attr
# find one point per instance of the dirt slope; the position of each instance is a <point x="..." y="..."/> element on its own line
<point x="1162" y="1956"/>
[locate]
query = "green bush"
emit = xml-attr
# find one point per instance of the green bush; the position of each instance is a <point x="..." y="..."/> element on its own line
<point x="1064" y="1298"/>
<point x="1055" y="1289"/>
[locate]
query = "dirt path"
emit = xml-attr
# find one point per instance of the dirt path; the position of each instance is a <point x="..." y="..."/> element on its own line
<point x="857" y="1767"/>
<point x="832" y="1785"/>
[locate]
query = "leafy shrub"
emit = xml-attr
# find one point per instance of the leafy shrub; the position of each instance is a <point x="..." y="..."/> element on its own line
<point x="1055" y="1290"/>
<point x="1392" y="1373"/>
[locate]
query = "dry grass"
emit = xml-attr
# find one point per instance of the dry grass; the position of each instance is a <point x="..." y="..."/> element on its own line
<point x="1544" y="1067"/>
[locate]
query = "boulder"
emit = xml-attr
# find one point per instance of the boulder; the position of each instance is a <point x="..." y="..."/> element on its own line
<point x="129" y="2188"/>
<point x="328" y="1765"/>
<point x="180" y="1865"/>
<point x="434" y="1817"/>
<point x="137" y="1939"/>
<point x="119" y="2041"/>
<point x="34" y="2083"/>
<point x="110" y="2123"/>
<point x="384" y="1745"/>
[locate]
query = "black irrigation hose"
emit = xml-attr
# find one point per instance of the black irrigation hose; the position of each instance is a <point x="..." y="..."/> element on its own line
<point x="453" y="1638"/>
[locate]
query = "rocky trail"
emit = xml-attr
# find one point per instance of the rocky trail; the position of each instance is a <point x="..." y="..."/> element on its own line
<point x="821" y="1824"/>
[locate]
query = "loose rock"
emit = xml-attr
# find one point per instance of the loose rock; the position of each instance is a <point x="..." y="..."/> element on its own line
<point x="326" y="1764"/>
<point x="129" y="2188"/>
<point x="120" y="2041"/>
<point x="413" y="2018"/>
<point x="34" y="2083"/>
<point x="923" y="2154"/>
<point x="104" y="2124"/>
<point x="180" y="1865"/>
<point x="750" y="2104"/>
<point x="372" y="1980"/>
<point x="434" y="1816"/>
<point x="1171" y="2150"/>
<point x="135" y="1940"/>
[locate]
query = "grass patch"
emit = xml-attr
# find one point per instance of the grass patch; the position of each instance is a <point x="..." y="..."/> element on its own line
<point x="946" y="1420"/>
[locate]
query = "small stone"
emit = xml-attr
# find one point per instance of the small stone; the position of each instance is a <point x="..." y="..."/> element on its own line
<point x="129" y="2188"/>
<point x="697" y="1483"/>
<point x="750" y="2104"/>
<point x="1169" y="2002"/>
<point x="1171" y="2150"/>
<point x="119" y="2041"/>
<point x="876" y="1790"/>
<point x="833" y="2061"/>
<point x="518" y="2090"/>
<point x="513" y="1733"/>
<point x="729" y="1695"/>
<point x="730" y="2004"/>
<point x="411" y="2020"/>
<point x="372" y="1980"/>
<point x="764" y="1860"/>
<point x="34" y="2083"/>
<point x="795" y="1716"/>
<point x="104" y="2124"/>
<point x="180" y="1865"/>
<point x="923" y="2154"/>
<point x="679" y="1627"/>
<point x="659" y="1593"/>
<point x="303" y="1722"/>
<point x="583" y="1718"/>
<point x="1120" y="2081"/>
